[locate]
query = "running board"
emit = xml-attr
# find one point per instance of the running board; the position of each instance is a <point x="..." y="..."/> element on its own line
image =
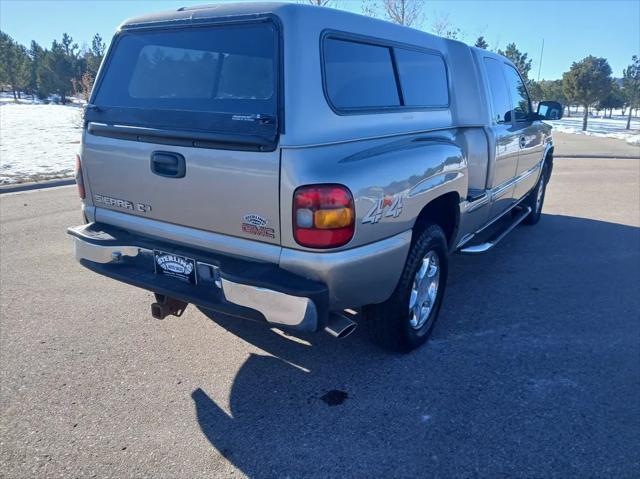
<point x="484" y="247"/>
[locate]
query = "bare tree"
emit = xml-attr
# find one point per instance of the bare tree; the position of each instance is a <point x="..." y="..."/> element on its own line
<point x="318" y="3"/>
<point x="404" y="12"/>
<point x="370" y="8"/>
<point x="442" y="27"/>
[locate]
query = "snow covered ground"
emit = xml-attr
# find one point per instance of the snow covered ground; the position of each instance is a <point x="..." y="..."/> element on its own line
<point x="38" y="142"/>
<point x="604" y="127"/>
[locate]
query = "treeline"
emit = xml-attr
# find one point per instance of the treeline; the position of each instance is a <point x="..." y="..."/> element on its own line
<point x="588" y="83"/>
<point x="64" y="69"/>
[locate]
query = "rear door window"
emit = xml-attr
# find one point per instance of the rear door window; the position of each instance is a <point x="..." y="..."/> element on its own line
<point x="359" y="75"/>
<point x="423" y="77"/>
<point x="499" y="93"/>
<point x="199" y="78"/>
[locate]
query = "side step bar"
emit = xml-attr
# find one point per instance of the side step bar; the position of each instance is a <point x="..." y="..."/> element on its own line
<point x="486" y="246"/>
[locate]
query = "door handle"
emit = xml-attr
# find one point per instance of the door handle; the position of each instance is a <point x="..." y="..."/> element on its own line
<point x="168" y="164"/>
<point x="523" y="142"/>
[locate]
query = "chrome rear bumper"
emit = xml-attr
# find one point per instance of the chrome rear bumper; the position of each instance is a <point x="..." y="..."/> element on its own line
<point x="105" y="254"/>
<point x="281" y="298"/>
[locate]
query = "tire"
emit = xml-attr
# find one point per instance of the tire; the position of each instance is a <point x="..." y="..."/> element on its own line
<point x="535" y="199"/>
<point x="393" y="324"/>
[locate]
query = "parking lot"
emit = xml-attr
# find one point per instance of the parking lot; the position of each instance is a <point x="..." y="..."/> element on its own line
<point x="533" y="369"/>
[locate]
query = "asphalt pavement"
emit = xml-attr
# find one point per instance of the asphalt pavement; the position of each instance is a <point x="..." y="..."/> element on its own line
<point x="533" y="369"/>
<point x="568" y="145"/>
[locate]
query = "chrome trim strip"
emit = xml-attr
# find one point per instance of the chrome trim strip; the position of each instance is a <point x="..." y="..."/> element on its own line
<point x="527" y="173"/>
<point x="499" y="190"/>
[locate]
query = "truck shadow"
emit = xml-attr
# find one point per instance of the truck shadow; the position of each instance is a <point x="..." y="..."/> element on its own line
<point x="503" y="387"/>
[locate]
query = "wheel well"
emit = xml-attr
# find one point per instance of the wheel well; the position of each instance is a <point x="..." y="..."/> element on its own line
<point x="443" y="211"/>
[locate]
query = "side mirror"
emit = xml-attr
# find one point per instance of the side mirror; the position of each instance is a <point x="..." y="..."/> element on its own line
<point x="550" y="110"/>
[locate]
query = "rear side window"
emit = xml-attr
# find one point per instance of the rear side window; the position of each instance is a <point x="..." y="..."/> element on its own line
<point x="499" y="93"/>
<point x="359" y="75"/>
<point x="423" y="77"/>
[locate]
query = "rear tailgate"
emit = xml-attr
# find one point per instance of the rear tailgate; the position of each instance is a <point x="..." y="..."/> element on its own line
<point x="183" y="128"/>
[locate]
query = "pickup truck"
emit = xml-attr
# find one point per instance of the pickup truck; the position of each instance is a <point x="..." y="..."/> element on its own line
<point x="293" y="164"/>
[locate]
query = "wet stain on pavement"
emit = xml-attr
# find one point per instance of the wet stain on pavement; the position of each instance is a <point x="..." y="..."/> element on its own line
<point x="334" y="397"/>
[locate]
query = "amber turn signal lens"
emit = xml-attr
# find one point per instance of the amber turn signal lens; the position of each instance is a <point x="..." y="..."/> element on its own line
<point x="337" y="218"/>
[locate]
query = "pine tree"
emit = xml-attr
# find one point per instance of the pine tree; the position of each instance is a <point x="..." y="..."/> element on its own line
<point x="23" y="68"/>
<point x="57" y="71"/>
<point x="631" y="86"/>
<point x="587" y="82"/>
<point x="69" y="47"/>
<point x="35" y="53"/>
<point x="14" y="65"/>
<point x="552" y="91"/>
<point x="95" y="54"/>
<point x="615" y="99"/>
<point x="7" y="61"/>
<point x="97" y="45"/>
<point x="520" y="60"/>
<point x="481" y="43"/>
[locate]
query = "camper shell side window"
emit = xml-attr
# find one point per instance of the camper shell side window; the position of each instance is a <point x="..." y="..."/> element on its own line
<point x="364" y="75"/>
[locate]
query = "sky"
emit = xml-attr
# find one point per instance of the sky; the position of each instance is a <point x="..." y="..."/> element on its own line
<point x="571" y="29"/>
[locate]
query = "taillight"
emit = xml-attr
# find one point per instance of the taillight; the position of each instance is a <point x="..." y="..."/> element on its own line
<point x="79" y="179"/>
<point x="323" y="216"/>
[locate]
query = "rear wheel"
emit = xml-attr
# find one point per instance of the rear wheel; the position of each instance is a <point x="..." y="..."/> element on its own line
<point x="405" y="320"/>
<point x="535" y="199"/>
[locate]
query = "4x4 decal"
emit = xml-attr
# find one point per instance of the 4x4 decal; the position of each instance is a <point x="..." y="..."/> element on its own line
<point x="389" y="206"/>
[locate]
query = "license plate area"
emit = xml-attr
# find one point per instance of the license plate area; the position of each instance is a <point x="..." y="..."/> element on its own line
<point x="175" y="266"/>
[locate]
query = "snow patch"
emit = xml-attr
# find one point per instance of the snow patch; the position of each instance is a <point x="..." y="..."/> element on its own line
<point x="634" y="140"/>
<point x="602" y="127"/>
<point x="38" y="142"/>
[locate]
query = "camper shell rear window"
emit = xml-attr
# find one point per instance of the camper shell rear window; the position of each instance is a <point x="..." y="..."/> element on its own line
<point x="210" y="79"/>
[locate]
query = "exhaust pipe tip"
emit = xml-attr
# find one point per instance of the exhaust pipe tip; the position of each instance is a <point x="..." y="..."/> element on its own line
<point x="339" y="326"/>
